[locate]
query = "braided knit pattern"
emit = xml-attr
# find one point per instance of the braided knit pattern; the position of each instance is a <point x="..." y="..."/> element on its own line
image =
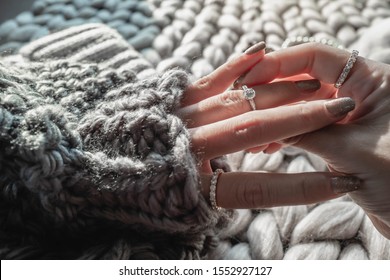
<point x="336" y="229"/>
<point x="198" y="36"/>
<point x="204" y="34"/>
<point x="132" y="18"/>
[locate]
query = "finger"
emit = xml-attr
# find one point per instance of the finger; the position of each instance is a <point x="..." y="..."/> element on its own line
<point x="224" y="76"/>
<point x="237" y="190"/>
<point x="258" y="128"/>
<point x="324" y="92"/>
<point x="364" y="81"/>
<point x="233" y="103"/>
<point x="319" y="61"/>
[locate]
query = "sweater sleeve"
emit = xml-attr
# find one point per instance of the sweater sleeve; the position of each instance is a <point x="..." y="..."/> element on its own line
<point x="89" y="136"/>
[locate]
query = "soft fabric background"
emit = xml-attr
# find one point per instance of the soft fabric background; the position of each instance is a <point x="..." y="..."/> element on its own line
<point x="198" y="36"/>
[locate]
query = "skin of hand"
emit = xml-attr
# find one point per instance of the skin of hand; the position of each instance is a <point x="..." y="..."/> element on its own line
<point x="360" y="144"/>
<point x="221" y="121"/>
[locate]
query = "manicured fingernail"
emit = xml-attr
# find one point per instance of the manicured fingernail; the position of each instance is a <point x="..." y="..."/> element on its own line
<point x="269" y="50"/>
<point x="255" y="48"/>
<point x="308" y="85"/>
<point x="345" y="184"/>
<point x="340" y="106"/>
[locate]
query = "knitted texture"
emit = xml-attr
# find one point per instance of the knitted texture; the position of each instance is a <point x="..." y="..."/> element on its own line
<point x="204" y="34"/>
<point x="198" y="36"/>
<point x="337" y="229"/>
<point x="132" y="18"/>
<point x="89" y="151"/>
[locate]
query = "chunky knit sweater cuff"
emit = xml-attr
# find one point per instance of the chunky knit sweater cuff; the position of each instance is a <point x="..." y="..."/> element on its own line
<point x="87" y="140"/>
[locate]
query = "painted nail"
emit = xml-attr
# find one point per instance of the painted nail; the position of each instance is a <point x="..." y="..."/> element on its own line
<point x="345" y="184"/>
<point x="255" y="48"/>
<point x="340" y="107"/>
<point x="308" y="85"/>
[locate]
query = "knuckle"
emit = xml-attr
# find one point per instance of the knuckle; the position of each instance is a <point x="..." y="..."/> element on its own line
<point x="204" y="83"/>
<point x="252" y="134"/>
<point x="230" y="65"/>
<point x="242" y="135"/>
<point x="251" y="195"/>
<point x="198" y="142"/>
<point x="305" y="114"/>
<point x="231" y="100"/>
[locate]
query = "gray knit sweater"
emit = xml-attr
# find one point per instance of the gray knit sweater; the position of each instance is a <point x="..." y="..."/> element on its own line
<point x="94" y="163"/>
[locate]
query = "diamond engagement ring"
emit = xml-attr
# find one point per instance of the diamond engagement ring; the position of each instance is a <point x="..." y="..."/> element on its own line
<point x="347" y="68"/>
<point x="249" y="94"/>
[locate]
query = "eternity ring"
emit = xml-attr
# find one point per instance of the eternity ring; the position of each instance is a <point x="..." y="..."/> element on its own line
<point x="213" y="189"/>
<point x="249" y="94"/>
<point x="347" y="68"/>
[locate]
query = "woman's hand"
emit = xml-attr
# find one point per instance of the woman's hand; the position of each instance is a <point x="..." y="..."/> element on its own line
<point x="221" y="121"/>
<point x="360" y="146"/>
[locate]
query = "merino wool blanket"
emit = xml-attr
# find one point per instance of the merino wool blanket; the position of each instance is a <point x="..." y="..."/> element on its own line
<point x="95" y="164"/>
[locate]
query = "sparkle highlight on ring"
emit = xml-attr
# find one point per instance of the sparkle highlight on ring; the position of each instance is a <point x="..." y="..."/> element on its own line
<point x="347" y="68"/>
<point x="249" y="94"/>
<point x="213" y="189"/>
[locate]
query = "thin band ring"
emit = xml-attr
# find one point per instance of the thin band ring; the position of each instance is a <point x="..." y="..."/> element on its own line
<point x="213" y="189"/>
<point x="249" y="94"/>
<point x="347" y="68"/>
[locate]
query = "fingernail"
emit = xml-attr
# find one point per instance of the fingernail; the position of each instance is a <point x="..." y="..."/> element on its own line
<point x="308" y="85"/>
<point x="255" y="48"/>
<point x="345" y="184"/>
<point x="340" y="106"/>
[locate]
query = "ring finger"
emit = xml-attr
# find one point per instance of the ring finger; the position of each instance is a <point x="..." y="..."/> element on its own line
<point x="233" y="103"/>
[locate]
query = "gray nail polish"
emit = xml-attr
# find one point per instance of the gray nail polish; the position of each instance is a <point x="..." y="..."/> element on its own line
<point x="308" y="85"/>
<point x="340" y="106"/>
<point x="255" y="48"/>
<point x="344" y="184"/>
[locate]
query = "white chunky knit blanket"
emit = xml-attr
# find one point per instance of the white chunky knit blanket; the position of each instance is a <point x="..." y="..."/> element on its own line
<point x="200" y="35"/>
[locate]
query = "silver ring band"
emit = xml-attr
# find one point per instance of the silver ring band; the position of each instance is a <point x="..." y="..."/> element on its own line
<point x="249" y="94"/>
<point x="347" y="68"/>
<point x="213" y="189"/>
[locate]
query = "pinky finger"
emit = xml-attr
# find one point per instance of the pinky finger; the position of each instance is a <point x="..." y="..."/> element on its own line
<point x="251" y="190"/>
